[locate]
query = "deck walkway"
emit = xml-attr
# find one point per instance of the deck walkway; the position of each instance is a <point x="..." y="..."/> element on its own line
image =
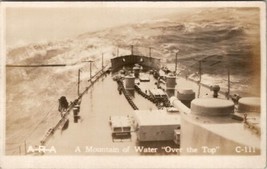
<point x="92" y="134"/>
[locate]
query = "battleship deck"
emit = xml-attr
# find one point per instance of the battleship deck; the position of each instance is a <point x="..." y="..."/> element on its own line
<point x="102" y="101"/>
<point x="92" y="135"/>
<point x="93" y="131"/>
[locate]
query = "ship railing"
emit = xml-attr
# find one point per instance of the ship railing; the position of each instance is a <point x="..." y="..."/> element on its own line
<point x="92" y="80"/>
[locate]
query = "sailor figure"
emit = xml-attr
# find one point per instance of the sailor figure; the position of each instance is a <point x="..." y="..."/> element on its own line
<point x="63" y="105"/>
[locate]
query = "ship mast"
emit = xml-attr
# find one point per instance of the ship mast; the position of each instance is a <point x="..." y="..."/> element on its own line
<point x="229" y="82"/>
<point x="118" y="51"/>
<point x="90" y="70"/>
<point x="102" y="61"/>
<point x="199" y="83"/>
<point x="132" y="49"/>
<point x="228" y="75"/>
<point x="176" y="55"/>
<point x="78" y="90"/>
<point x="90" y="61"/>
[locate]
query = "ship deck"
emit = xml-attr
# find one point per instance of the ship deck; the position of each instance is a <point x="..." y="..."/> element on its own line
<point x="92" y="135"/>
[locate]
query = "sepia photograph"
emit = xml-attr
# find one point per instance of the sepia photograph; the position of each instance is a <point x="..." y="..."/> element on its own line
<point x="170" y="83"/>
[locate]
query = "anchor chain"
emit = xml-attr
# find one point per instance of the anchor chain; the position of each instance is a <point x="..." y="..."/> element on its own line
<point x="122" y="89"/>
